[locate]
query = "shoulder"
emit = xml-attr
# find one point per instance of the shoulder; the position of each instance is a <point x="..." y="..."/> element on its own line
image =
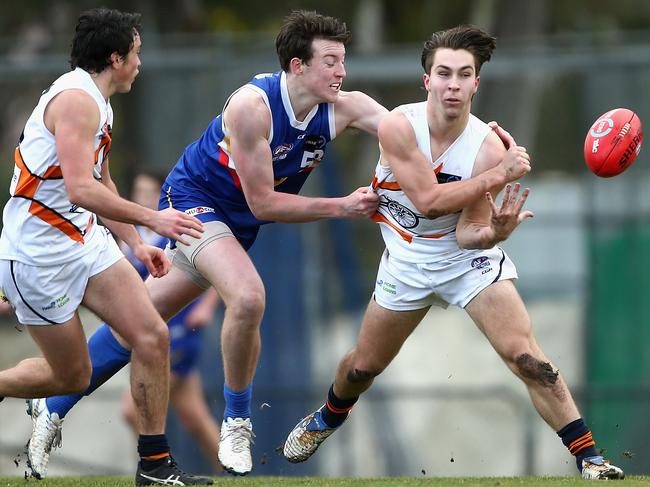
<point x="73" y="106"/>
<point x="395" y="126"/>
<point x="247" y="108"/>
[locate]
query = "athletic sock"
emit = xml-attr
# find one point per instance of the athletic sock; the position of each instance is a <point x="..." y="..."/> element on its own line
<point x="153" y="450"/>
<point x="579" y="441"/>
<point x="107" y="357"/>
<point x="238" y="404"/>
<point x="336" y="410"/>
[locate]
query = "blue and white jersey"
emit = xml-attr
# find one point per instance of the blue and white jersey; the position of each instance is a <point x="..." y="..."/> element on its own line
<point x="204" y="181"/>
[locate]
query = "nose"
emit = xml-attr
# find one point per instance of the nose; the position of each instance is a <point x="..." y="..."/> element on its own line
<point x="341" y="71"/>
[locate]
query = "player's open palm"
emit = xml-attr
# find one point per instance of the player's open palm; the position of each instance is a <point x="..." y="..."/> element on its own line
<point x="362" y="203"/>
<point x="507" y="216"/>
<point x="176" y="225"/>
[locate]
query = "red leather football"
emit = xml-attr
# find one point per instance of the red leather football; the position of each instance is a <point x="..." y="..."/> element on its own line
<point x="613" y="142"/>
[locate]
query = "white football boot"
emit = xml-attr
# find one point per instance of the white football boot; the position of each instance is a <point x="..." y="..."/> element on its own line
<point x="46" y="435"/>
<point x="235" y="445"/>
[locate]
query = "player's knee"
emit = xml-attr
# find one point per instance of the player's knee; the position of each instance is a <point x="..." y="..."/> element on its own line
<point x="531" y="369"/>
<point x="76" y="379"/>
<point x="153" y="341"/>
<point x="249" y="306"/>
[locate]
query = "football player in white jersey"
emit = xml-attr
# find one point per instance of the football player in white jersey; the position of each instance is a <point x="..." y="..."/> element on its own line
<point x="54" y="256"/>
<point x="438" y="256"/>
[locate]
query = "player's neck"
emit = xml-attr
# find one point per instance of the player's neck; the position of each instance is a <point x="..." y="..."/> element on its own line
<point x="444" y="128"/>
<point x="104" y="83"/>
<point x="302" y="101"/>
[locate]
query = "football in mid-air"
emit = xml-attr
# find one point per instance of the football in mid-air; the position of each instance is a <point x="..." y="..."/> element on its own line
<point x="613" y="142"/>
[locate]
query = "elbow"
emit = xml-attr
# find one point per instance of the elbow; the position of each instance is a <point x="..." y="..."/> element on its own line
<point x="259" y="209"/>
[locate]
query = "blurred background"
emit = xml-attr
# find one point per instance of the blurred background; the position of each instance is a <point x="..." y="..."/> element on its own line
<point x="447" y="406"/>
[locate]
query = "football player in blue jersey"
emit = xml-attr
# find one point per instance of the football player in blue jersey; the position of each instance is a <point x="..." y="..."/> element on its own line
<point x="246" y="170"/>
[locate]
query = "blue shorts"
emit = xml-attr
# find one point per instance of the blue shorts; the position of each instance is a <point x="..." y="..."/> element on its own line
<point x="243" y="225"/>
<point x="184" y="344"/>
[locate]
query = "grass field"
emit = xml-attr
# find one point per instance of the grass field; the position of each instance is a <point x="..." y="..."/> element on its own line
<point x="326" y="482"/>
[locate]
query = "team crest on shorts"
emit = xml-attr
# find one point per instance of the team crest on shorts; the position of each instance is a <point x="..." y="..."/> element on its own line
<point x="481" y="262"/>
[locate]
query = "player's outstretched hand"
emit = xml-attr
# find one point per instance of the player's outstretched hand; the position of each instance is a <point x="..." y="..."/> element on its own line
<point x="362" y="203"/>
<point x="507" y="216"/>
<point x="176" y="225"/>
<point x="153" y="258"/>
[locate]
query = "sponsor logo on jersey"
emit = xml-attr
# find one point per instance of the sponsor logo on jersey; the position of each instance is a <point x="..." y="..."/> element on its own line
<point x="447" y="178"/>
<point x="199" y="210"/>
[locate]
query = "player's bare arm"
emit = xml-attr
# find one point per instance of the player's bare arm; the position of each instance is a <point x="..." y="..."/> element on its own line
<point x="483" y="224"/>
<point x="152" y="257"/>
<point x="358" y="110"/>
<point x="72" y="117"/>
<point x="416" y="178"/>
<point x="248" y="123"/>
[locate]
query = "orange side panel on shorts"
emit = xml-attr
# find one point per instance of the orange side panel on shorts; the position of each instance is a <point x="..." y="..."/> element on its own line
<point x="27" y="186"/>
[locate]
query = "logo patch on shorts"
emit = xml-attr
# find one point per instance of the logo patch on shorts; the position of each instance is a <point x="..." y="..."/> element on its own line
<point x="481" y="262"/>
<point x="386" y="286"/>
<point x="57" y="302"/>
<point x="199" y="210"/>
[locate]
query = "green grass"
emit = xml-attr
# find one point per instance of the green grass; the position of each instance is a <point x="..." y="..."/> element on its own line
<point x="326" y="482"/>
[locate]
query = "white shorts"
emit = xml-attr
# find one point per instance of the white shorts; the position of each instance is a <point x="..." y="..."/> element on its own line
<point x="182" y="256"/>
<point x="404" y="286"/>
<point x="50" y="295"/>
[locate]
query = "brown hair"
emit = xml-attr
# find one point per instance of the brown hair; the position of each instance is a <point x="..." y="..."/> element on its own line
<point x="300" y="28"/>
<point x="468" y="37"/>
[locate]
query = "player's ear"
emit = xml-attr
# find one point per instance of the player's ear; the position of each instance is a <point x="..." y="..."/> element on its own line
<point x="426" y="79"/>
<point x="295" y="65"/>
<point x="115" y="59"/>
<point x="477" y="81"/>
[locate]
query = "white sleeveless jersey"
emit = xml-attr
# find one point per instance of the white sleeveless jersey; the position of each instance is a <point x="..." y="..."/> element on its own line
<point x="409" y="235"/>
<point x="40" y="224"/>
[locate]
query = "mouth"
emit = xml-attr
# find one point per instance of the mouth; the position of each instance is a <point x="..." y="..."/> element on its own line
<point x="335" y="86"/>
<point x="452" y="101"/>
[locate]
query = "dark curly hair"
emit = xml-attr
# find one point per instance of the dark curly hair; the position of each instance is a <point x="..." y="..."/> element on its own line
<point x="298" y="31"/>
<point x="99" y="33"/>
<point x="467" y="37"/>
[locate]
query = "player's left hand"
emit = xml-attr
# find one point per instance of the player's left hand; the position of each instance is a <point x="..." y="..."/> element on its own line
<point x="507" y="216"/>
<point x="153" y="258"/>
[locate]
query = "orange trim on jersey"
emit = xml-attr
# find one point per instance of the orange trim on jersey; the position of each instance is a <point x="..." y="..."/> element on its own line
<point x="104" y="144"/>
<point x="379" y="218"/>
<point x="26" y="188"/>
<point x="385" y="185"/>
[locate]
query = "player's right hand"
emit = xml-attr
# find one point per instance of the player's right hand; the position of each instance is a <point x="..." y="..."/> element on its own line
<point x="176" y="225"/>
<point x="516" y="163"/>
<point x="362" y="203"/>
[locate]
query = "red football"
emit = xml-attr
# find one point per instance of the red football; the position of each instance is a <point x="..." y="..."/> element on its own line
<point x="613" y="142"/>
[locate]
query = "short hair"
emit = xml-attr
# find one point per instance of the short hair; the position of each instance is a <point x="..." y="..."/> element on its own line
<point x="468" y="37"/>
<point x="99" y="33"/>
<point x="298" y="31"/>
